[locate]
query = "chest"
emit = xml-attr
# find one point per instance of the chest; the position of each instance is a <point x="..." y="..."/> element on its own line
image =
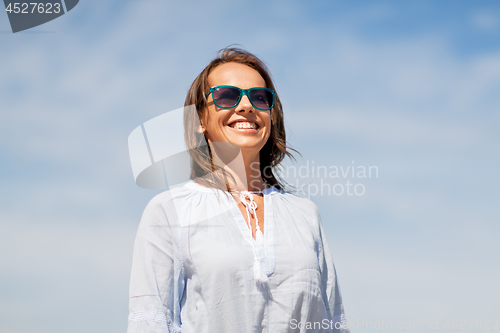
<point x="220" y="245"/>
<point x="252" y="218"/>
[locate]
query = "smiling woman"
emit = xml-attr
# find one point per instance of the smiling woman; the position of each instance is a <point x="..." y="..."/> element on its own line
<point x="241" y="123"/>
<point x="232" y="251"/>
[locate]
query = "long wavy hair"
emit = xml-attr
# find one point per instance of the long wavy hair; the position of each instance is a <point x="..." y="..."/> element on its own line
<point x="272" y="154"/>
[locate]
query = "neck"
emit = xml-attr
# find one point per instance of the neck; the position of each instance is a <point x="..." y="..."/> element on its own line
<point x="244" y="169"/>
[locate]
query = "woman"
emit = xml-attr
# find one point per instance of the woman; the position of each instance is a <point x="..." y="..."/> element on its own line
<point x="231" y="251"/>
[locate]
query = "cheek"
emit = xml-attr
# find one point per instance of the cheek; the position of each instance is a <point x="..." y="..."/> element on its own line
<point x="215" y="121"/>
<point x="268" y="125"/>
<point x="209" y="119"/>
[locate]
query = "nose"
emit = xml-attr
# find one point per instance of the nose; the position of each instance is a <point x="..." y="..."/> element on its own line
<point x="244" y="105"/>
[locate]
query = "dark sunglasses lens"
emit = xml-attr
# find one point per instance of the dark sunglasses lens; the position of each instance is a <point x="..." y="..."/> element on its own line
<point x="262" y="98"/>
<point x="226" y="96"/>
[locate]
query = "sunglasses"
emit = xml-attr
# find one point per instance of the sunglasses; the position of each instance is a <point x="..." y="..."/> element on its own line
<point x="227" y="97"/>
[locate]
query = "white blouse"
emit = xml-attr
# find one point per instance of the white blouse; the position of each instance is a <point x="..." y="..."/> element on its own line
<point x="193" y="267"/>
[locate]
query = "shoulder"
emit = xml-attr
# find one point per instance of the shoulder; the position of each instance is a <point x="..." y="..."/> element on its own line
<point x="175" y="195"/>
<point x="167" y="205"/>
<point x="161" y="201"/>
<point x="298" y="202"/>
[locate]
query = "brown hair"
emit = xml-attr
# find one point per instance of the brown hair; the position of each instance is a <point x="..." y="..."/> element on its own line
<point x="273" y="152"/>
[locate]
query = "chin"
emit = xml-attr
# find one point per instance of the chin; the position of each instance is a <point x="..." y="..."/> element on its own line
<point x="249" y="148"/>
<point x="247" y="143"/>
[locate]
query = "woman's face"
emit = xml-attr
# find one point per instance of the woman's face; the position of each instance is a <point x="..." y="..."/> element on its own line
<point x="220" y="125"/>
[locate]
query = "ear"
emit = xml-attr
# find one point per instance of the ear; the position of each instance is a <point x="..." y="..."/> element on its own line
<point x="200" y="129"/>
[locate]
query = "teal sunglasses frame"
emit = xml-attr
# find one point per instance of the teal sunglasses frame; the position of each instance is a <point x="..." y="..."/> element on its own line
<point x="242" y="92"/>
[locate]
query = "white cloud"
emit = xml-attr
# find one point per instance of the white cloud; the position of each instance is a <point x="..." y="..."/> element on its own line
<point x="486" y="21"/>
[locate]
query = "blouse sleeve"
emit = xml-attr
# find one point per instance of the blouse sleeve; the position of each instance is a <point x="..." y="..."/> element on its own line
<point x="157" y="280"/>
<point x="330" y="285"/>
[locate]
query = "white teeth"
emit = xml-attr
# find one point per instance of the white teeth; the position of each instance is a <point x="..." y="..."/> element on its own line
<point x="242" y="125"/>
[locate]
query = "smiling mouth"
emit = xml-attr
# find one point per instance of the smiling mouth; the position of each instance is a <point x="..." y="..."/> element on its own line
<point x="244" y="125"/>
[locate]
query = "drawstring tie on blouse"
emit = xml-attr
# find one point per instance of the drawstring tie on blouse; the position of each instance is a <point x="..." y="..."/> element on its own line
<point x="251" y="206"/>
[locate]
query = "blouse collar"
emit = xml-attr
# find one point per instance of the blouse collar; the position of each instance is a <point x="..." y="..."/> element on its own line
<point x="194" y="186"/>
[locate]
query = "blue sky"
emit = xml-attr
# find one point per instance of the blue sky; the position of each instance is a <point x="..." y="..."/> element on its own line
<point x="409" y="87"/>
